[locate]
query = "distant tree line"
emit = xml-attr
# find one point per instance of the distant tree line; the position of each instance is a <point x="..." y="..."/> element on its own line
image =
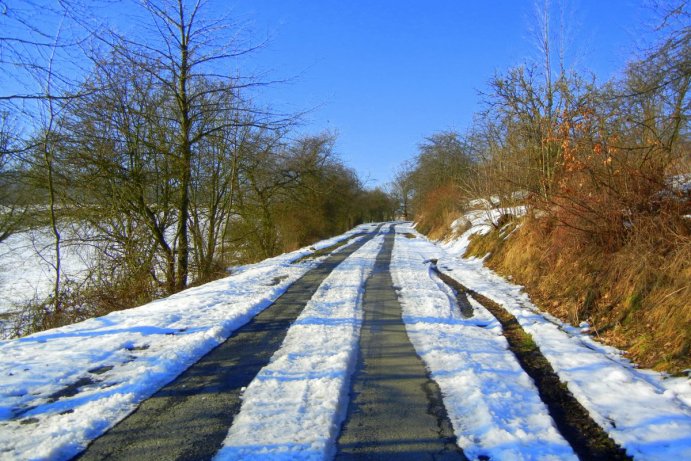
<point x="157" y="158"/>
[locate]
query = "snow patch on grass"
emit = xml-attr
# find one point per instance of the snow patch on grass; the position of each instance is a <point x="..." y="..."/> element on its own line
<point x="645" y="412"/>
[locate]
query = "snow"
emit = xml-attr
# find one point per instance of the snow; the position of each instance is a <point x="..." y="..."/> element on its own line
<point x="478" y="222"/>
<point x="645" y="412"/>
<point x="294" y="407"/>
<point x="26" y="266"/>
<point x="146" y="347"/>
<point x="492" y="403"/>
<point x="681" y="183"/>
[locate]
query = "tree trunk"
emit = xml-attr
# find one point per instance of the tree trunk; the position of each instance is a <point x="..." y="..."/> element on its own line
<point x="185" y="157"/>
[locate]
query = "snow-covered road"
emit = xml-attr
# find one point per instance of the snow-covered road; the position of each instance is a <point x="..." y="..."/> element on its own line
<point x="126" y="355"/>
<point x="294" y="406"/>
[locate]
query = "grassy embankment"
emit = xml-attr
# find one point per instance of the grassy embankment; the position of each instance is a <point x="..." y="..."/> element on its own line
<point x="635" y="298"/>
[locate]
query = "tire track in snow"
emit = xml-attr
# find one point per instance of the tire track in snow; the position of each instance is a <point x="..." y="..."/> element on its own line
<point x="643" y="411"/>
<point x="294" y="407"/>
<point x="492" y="403"/>
<point x="588" y="440"/>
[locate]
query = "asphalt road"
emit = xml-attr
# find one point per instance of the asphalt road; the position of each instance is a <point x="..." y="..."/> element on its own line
<point x="396" y="411"/>
<point x="189" y="418"/>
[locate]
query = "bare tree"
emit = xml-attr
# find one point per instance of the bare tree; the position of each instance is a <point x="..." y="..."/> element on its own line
<point x="12" y="201"/>
<point x="46" y="145"/>
<point x="183" y="49"/>
<point x="402" y="189"/>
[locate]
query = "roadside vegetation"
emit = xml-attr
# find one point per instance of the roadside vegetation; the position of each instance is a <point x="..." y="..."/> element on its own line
<point x="593" y="183"/>
<point x="151" y="151"/>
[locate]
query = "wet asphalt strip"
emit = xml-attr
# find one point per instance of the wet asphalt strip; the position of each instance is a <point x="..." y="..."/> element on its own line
<point x="188" y="419"/>
<point x="396" y="410"/>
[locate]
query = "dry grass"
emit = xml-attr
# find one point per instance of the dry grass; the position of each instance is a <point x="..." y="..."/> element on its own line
<point x="636" y="298"/>
<point x="440" y="208"/>
<point x="493" y="242"/>
<point x="651" y="287"/>
<point x="440" y="226"/>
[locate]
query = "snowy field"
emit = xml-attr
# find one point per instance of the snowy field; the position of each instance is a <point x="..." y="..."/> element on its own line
<point x="27" y="266"/>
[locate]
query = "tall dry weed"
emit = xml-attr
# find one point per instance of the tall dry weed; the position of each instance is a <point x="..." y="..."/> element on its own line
<point x="439" y="208"/>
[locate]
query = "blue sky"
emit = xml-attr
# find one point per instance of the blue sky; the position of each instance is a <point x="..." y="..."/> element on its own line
<point x="384" y="75"/>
